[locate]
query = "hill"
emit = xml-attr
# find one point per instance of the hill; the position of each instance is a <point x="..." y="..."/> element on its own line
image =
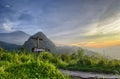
<point x="13" y="40"/>
<point x="8" y="46"/>
<point x="44" y="43"/>
<point x="16" y="37"/>
<point x="67" y="49"/>
<point x="74" y="49"/>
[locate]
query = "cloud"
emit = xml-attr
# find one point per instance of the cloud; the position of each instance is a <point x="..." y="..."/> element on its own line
<point x="108" y="25"/>
<point x="111" y="13"/>
<point x="64" y="21"/>
<point x="8" y="26"/>
<point x="103" y="36"/>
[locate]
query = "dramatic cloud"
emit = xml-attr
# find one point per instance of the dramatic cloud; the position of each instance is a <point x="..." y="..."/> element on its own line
<point x="8" y="26"/>
<point x="69" y="22"/>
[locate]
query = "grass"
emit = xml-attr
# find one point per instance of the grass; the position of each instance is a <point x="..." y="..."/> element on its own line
<point x="45" y="65"/>
<point x="81" y="62"/>
<point x="24" y="65"/>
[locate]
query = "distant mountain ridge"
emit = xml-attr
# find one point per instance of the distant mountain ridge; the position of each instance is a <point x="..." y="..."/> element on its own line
<point x="67" y="49"/>
<point x="74" y="49"/>
<point x="8" y="46"/>
<point x="16" y="37"/>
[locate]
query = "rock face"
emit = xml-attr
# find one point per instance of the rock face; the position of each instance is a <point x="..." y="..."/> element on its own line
<point x="44" y="43"/>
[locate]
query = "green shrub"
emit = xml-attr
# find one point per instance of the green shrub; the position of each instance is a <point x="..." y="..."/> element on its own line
<point x="45" y="56"/>
<point x="15" y="65"/>
<point x="1" y="50"/>
<point x="37" y="70"/>
<point x="6" y="57"/>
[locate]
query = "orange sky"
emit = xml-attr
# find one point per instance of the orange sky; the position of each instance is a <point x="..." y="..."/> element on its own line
<point x="99" y="44"/>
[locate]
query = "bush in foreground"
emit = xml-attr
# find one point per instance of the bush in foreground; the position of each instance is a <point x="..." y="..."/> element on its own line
<point x="15" y="65"/>
<point x="36" y="70"/>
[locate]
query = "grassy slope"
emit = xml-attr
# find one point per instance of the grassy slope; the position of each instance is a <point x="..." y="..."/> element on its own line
<point x="24" y="65"/>
<point x="45" y="65"/>
<point x="81" y="62"/>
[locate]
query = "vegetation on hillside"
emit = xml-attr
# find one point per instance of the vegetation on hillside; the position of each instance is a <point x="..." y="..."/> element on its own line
<point x="81" y="62"/>
<point x="23" y="65"/>
<point x="45" y="65"/>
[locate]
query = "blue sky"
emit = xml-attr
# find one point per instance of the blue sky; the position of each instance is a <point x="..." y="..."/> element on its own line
<point x="90" y="23"/>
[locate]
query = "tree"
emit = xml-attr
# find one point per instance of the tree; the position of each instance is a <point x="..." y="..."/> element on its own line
<point x="80" y="53"/>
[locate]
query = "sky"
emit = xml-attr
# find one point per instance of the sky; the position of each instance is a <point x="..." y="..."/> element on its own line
<point x="87" y="23"/>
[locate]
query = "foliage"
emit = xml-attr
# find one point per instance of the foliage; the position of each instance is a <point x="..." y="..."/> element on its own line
<point x="24" y="65"/>
<point x="34" y="70"/>
<point x="45" y="65"/>
<point x="81" y="62"/>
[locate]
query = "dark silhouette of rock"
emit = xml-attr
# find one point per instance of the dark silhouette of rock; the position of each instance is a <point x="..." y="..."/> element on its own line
<point x="45" y="43"/>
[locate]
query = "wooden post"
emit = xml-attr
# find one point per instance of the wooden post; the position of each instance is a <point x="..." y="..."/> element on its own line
<point x="38" y="39"/>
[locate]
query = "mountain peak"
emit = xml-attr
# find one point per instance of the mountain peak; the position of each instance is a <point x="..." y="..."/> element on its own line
<point x="16" y="37"/>
<point x="40" y="34"/>
<point x="18" y="32"/>
<point x="44" y="43"/>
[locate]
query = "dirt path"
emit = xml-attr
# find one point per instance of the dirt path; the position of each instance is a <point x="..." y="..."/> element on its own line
<point x="89" y="75"/>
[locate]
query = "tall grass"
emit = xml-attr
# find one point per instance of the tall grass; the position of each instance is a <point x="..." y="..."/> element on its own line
<point x="25" y="65"/>
<point x="81" y="62"/>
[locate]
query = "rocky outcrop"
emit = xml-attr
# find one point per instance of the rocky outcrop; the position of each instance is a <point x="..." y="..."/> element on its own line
<point x="45" y="43"/>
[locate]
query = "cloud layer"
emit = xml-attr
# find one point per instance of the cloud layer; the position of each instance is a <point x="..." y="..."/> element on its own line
<point x="68" y="22"/>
